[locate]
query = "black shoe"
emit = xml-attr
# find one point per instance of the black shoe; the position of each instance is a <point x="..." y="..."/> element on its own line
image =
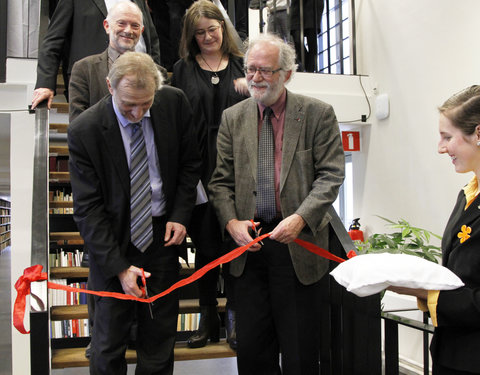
<point x="230" y="327"/>
<point x="88" y="350"/>
<point x="208" y="328"/>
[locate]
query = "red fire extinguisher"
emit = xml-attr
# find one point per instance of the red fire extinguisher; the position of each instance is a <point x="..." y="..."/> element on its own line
<point x="354" y="231"/>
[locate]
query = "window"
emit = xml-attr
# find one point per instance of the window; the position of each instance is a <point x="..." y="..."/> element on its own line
<point x="344" y="202"/>
<point x="335" y="39"/>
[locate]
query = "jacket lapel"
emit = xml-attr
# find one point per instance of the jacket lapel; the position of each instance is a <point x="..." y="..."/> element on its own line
<point x="114" y="142"/>
<point x="250" y="135"/>
<point x="294" y="122"/>
<point x="161" y="133"/>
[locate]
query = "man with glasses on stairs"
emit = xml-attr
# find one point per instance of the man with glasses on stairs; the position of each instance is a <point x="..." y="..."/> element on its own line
<point x="280" y="162"/>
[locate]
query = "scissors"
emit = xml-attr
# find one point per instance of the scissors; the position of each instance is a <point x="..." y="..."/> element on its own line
<point x="255" y="231"/>
<point x="143" y="288"/>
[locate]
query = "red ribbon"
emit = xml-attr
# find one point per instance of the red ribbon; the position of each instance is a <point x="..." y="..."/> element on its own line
<point x="35" y="273"/>
<point x="30" y="274"/>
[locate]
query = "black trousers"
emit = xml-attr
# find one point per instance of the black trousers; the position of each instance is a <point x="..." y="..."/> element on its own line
<point x="206" y="236"/>
<point x="276" y="314"/>
<point x="438" y="369"/>
<point x="113" y="318"/>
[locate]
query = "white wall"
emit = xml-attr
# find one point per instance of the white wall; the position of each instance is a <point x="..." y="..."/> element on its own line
<point x="419" y="53"/>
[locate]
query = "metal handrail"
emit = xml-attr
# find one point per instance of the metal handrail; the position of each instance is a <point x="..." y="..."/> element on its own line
<point x="39" y="320"/>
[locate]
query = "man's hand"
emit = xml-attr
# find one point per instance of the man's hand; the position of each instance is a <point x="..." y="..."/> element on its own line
<point x="288" y="229"/>
<point x="239" y="232"/>
<point x="174" y="233"/>
<point x="41" y="94"/>
<point x="128" y="279"/>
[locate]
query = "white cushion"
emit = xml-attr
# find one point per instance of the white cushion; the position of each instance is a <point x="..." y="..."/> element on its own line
<point x="368" y="274"/>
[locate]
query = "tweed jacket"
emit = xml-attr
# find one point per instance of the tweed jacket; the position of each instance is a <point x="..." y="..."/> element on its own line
<point x="311" y="173"/>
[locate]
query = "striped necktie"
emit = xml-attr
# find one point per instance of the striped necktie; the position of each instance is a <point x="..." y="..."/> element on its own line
<point x="141" y="229"/>
<point x="266" y="208"/>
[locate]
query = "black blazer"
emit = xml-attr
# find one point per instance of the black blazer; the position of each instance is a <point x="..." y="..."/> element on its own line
<point x="76" y="28"/>
<point x="457" y="338"/>
<point x="100" y="177"/>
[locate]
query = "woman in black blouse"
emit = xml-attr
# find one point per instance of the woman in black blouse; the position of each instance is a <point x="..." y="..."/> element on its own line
<point x="456" y="313"/>
<point x="210" y="72"/>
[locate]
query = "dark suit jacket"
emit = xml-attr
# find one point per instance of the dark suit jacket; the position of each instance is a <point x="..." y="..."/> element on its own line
<point x="101" y="184"/>
<point x="457" y="336"/>
<point x="87" y="83"/>
<point x="76" y="27"/>
<point x="312" y="171"/>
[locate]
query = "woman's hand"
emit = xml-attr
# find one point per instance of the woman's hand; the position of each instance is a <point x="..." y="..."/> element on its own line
<point x="416" y="292"/>
<point x="241" y="86"/>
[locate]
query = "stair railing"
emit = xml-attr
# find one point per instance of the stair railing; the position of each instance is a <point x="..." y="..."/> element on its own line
<point x="351" y="326"/>
<point x="39" y="319"/>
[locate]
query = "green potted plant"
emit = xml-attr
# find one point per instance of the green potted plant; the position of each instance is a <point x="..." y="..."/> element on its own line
<point x="407" y="239"/>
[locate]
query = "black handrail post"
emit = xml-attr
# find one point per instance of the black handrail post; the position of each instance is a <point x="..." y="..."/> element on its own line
<point x="391" y="347"/>
<point x="355" y="323"/>
<point x="426" y="358"/>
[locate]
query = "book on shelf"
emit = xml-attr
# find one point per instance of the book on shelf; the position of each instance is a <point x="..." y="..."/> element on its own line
<point x="66" y="258"/>
<point x="69" y="328"/>
<point x="63" y="298"/>
<point x="188" y="322"/>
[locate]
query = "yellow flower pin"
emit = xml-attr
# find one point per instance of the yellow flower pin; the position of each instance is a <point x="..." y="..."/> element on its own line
<point x="464" y="234"/>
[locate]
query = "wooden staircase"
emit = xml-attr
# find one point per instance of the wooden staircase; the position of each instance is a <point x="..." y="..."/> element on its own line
<point x="68" y="357"/>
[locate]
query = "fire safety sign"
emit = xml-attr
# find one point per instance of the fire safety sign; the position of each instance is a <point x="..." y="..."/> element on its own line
<point x="351" y="140"/>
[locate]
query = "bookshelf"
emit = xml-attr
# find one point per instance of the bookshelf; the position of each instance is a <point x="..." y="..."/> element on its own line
<point x="5" y="223"/>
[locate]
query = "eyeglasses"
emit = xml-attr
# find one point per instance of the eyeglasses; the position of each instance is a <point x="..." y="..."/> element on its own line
<point x="200" y="33"/>
<point x="265" y="72"/>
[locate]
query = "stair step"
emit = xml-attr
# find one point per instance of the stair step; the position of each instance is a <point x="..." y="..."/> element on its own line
<point x="75" y="357"/>
<point x="59" y="128"/>
<point x="60" y="204"/>
<point x="60" y="107"/>
<point x="82" y="272"/>
<point x="186" y="306"/>
<point x="55" y="236"/>
<point x="60" y="150"/>
<point x="59" y="176"/>
<point x="68" y="272"/>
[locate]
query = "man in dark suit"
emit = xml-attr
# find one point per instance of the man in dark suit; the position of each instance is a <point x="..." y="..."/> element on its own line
<point x="124" y="26"/>
<point x="76" y="30"/>
<point x="277" y="283"/>
<point x="100" y="145"/>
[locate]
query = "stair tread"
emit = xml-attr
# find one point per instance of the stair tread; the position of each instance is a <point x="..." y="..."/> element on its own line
<point x="75" y="357"/>
<point x="82" y="272"/>
<point x="60" y="107"/>
<point x="59" y="128"/>
<point x="60" y="204"/>
<point x="65" y="236"/>
<point x="68" y="272"/>
<point x="58" y="150"/>
<point x="65" y="312"/>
